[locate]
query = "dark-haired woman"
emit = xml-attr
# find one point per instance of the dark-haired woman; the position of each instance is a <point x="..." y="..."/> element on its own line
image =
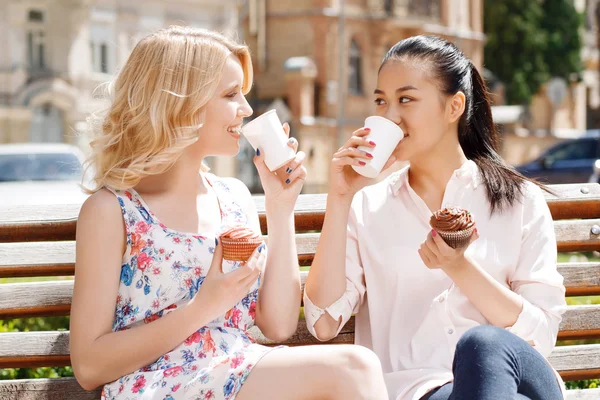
<point x="471" y="324"/>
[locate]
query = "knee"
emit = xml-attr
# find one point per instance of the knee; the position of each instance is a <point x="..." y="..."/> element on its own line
<point x="360" y="360"/>
<point x="481" y="339"/>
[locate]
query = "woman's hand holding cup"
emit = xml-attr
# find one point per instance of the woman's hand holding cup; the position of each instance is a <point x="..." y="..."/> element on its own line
<point x="361" y="153"/>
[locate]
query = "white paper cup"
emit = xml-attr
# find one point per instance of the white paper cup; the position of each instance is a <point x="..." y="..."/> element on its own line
<point x="266" y="132"/>
<point x="386" y="136"/>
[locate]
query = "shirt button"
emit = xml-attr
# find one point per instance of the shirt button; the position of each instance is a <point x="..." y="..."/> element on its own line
<point x="450" y="331"/>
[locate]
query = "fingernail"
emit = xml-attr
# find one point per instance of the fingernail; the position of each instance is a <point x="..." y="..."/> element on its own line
<point x="433" y="233"/>
<point x="216" y="241"/>
<point x="372" y="143"/>
<point x="476" y="231"/>
<point x="369" y="155"/>
<point x="287" y="181"/>
<point x="362" y="163"/>
<point x="258" y="152"/>
<point x="368" y="129"/>
<point x="288" y="170"/>
<point x="261" y="247"/>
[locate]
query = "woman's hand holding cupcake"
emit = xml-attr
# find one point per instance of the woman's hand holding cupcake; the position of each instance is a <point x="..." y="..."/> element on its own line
<point x="284" y="185"/>
<point x="453" y="230"/>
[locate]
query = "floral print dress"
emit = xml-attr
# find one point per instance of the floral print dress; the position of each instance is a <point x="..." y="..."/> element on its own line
<point x="162" y="270"/>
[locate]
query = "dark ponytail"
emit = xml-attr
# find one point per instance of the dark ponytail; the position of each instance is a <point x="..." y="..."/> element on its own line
<point x="477" y="132"/>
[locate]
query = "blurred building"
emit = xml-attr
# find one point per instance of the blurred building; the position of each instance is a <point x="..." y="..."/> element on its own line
<point x="317" y="60"/>
<point x="54" y="53"/>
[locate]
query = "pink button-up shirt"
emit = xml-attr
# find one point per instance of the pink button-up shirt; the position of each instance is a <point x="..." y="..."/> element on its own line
<point x="411" y="316"/>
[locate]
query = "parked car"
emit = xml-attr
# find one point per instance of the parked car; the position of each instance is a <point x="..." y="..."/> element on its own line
<point x="570" y="161"/>
<point x="40" y="173"/>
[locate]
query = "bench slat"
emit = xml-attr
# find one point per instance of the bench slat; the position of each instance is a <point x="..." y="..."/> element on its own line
<point x="54" y="389"/>
<point x="576" y="235"/>
<point x="581" y="279"/>
<point x="69" y="389"/>
<point x="47" y="298"/>
<point x="572" y="362"/>
<point x="58" y="258"/>
<point x="577" y="362"/>
<point x="57" y="222"/>
<point x="579" y="200"/>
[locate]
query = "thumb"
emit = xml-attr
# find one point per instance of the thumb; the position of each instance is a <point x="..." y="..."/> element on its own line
<point x="217" y="261"/>
<point x="475" y="236"/>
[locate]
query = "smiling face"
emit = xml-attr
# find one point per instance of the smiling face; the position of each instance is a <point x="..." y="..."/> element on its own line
<point x="407" y="95"/>
<point x="225" y="112"/>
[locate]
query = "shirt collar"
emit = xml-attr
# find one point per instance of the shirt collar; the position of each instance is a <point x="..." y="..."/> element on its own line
<point x="467" y="173"/>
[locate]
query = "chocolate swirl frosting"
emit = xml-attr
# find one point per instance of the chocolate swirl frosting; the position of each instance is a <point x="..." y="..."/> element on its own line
<point x="451" y="219"/>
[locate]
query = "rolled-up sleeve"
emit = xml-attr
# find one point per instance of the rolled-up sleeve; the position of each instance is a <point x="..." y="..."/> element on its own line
<point x="536" y="278"/>
<point x="350" y="302"/>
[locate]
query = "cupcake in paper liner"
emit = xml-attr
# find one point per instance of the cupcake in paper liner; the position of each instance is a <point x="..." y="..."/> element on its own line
<point x="239" y="243"/>
<point x="455" y="225"/>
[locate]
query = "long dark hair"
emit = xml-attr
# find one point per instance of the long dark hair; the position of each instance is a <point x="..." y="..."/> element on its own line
<point x="477" y="133"/>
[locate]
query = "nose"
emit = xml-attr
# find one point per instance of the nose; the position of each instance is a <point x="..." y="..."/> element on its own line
<point x="245" y="110"/>
<point x="394" y="116"/>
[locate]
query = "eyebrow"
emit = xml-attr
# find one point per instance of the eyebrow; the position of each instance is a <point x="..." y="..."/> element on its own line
<point x="233" y="86"/>
<point x="401" y="89"/>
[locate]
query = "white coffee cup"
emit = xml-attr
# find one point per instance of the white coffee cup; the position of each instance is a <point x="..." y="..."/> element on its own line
<point x="266" y="132"/>
<point x="386" y="135"/>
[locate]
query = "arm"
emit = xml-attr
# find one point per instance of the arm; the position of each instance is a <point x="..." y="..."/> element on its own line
<point x="536" y="279"/>
<point x="335" y="284"/>
<point x="98" y="354"/>
<point x="531" y="308"/>
<point x="278" y="306"/>
<point x="498" y="304"/>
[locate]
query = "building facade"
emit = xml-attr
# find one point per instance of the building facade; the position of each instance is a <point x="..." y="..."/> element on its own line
<point x="55" y="53"/>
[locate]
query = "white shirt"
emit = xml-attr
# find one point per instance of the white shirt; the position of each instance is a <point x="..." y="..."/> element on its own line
<point x="411" y="316"/>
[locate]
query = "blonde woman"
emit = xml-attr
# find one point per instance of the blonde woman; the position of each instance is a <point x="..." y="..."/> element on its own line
<point x="156" y="312"/>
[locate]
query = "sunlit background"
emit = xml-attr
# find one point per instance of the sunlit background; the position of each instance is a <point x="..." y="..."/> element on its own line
<point x="315" y="62"/>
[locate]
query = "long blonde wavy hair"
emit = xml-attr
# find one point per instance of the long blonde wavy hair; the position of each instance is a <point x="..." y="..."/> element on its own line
<point x="157" y="104"/>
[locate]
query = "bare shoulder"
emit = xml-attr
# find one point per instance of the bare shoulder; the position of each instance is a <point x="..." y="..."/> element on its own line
<point x="101" y="215"/>
<point x="100" y="205"/>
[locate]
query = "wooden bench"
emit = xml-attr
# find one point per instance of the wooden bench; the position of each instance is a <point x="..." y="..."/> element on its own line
<point x="39" y="241"/>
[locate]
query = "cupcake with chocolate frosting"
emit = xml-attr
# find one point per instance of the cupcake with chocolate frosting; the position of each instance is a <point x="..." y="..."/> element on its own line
<point x="455" y="225"/>
<point x="239" y="243"/>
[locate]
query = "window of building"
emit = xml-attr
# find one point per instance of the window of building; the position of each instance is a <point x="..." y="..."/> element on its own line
<point x="36" y="16"/>
<point x="36" y="49"/>
<point x="355" y="69"/>
<point x="388" y="6"/>
<point x="102" y="52"/>
<point x="104" y="58"/>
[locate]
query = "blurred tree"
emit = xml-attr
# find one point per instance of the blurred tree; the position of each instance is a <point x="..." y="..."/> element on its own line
<point x="528" y="42"/>
<point x="563" y="25"/>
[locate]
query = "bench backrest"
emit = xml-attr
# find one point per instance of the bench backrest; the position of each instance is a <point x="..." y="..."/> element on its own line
<point x="39" y="241"/>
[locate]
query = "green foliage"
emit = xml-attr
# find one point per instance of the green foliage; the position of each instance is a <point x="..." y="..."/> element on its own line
<point x="528" y="42"/>
<point x="562" y="24"/>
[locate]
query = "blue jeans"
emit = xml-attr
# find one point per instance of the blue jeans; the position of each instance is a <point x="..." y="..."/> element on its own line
<point x="492" y="363"/>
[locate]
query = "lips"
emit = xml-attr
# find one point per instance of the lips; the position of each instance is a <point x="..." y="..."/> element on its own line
<point x="235" y="131"/>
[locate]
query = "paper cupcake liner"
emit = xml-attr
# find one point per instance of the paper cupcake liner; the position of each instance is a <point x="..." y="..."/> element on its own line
<point x="239" y="249"/>
<point x="457" y="239"/>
